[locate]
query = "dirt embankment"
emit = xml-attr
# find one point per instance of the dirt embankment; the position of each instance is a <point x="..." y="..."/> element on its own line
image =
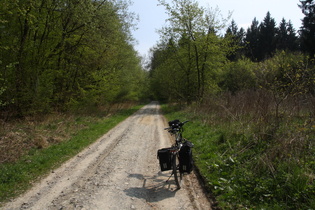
<point x="119" y="171"/>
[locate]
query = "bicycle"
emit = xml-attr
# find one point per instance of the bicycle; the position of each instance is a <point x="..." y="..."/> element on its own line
<point x="175" y="158"/>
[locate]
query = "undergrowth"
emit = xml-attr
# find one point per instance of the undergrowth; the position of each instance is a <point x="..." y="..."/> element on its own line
<point x="18" y="174"/>
<point x="249" y="158"/>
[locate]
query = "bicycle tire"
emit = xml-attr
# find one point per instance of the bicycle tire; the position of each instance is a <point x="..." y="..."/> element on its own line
<point x="177" y="175"/>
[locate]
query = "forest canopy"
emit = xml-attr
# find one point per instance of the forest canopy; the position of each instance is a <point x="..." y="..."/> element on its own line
<point x="59" y="55"/>
<point x="68" y="54"/>
<point x="193" y="60"/>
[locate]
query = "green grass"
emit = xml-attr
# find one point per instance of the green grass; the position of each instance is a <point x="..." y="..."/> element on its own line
<point x="16" y="177"/>
<point x="244" y="172"/>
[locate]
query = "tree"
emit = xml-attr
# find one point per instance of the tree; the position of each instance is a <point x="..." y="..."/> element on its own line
<point x="286" y="37"/>
<point x="286" y="75"/>
<point x="261" y="39"/>
<point x="238" y="76"/>
<point x="237" y="41"/>
<point x="292" y="38"/>
<point x="267" y="37"/>
<point x="164" y="76"/>
<point x="191" y="36"/>
<point x="252" y="41"/>
<point x="308" y="27"/>
<point x="56" y="54"/>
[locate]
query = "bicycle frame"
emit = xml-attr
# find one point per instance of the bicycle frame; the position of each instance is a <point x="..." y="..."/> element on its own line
<point x="176" y="130"/>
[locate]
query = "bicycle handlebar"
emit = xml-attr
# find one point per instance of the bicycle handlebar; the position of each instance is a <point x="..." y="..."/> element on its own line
<point x="175" y="124"/>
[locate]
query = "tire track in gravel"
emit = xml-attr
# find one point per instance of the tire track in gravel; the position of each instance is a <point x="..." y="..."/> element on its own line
<point x="119" y="171"/>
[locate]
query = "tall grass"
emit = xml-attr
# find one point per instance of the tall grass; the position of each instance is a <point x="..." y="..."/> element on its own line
<point x="252" y="152"/>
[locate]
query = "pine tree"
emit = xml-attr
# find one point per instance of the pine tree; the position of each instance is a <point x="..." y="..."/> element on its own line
<point x="308" y="27"/>
<point x="286" y="36"/>
<point x="252" y="41"/>
<point x="267" y="37"/>
<point x="237" y="37"/>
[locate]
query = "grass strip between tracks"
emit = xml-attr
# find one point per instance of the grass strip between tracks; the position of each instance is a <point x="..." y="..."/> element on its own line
<point x="16" y="177"/>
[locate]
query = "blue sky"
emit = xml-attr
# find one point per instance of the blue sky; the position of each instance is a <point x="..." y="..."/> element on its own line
<point x="152" y="17"/>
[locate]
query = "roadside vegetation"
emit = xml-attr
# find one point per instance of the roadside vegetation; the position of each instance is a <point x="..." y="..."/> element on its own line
<point x="66" y="65"/>
<point x="34" y="147"/>
<point x="249" y="95"/>
<point x="67" y="55"/>
<point x="248" y="156"/>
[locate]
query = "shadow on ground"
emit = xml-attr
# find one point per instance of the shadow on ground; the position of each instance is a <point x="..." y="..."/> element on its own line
<point x="157" y="190"/>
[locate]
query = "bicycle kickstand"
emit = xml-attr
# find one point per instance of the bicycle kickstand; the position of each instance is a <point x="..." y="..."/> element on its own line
<point x="170" y="177"/>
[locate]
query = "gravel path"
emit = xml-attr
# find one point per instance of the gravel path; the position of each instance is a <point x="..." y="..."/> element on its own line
<point x="119" y="171"/>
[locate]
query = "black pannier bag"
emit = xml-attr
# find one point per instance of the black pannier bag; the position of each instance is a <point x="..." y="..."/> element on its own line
<point x="185" y="157"/>
<point x="164" y="156"/>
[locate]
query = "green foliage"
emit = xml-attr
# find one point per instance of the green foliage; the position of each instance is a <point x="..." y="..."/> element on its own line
<point x="263" y="39"/>
<point x="237" y="41"/>
<point x="3" y="88"/>
<point x="286" y="37"/>
<point x="186" y="63"/>
<point x="238" y="76"/>
<point x="58" y="53"/>
<point x="251" y="39"/>
<point x="287" y="74"/>
<point x="267" y="37"/>
<point x="308" y="27"/>
<point x="242" y="163"/>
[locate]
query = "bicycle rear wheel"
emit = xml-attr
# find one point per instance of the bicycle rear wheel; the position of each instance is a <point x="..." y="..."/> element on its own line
<point x="177" y="175"/>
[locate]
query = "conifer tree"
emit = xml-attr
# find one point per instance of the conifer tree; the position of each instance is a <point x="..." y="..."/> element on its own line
<point x="252" y="41"/>
<point x="237" y="37"/>
<point x="267" y="37"/>
<point x="286" y="37"/>
<point x="308" y="26"/>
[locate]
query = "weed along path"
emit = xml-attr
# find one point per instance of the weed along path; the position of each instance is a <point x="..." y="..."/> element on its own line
<point x="119" y="171"/>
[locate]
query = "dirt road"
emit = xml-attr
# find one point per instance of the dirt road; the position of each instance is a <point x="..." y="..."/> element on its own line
<point x="119" y="171"/>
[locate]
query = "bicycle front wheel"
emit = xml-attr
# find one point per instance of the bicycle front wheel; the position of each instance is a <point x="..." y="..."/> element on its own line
<point x="177" y="175"/>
